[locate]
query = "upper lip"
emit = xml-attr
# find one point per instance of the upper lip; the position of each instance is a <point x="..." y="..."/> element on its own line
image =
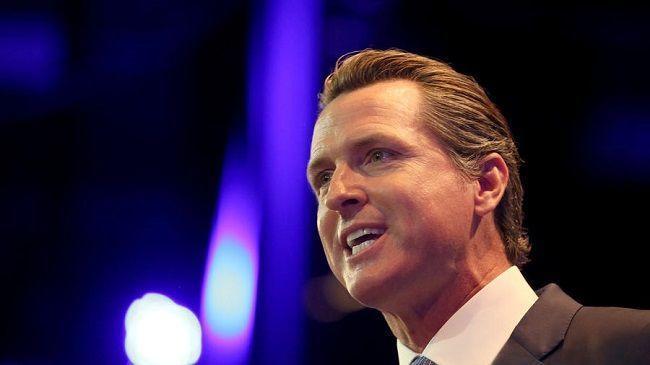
<point x="343" y="236"/>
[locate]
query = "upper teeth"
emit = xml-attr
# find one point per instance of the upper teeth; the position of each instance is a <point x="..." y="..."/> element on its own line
<point x="362" y="232"/>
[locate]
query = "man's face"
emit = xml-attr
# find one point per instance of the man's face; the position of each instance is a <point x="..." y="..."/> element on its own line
<point x="394" y="213"/>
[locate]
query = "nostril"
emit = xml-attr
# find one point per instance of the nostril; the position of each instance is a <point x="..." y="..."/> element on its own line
<point x="348" y="202"/>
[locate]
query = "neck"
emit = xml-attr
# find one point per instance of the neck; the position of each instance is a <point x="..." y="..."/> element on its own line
<point x="415" y="325"/>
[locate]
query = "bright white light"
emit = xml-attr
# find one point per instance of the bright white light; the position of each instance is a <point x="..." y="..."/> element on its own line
<point x="161" y="332"/>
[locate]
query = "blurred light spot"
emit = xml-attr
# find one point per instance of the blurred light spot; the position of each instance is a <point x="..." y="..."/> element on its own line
<point x="31" y="53"/>
<point x="230" y="285"/>
<point x="618" y="145"/>
<point x="326" y="300"/>
<point x="161" y="332"/>
<point x="230" y="279"/>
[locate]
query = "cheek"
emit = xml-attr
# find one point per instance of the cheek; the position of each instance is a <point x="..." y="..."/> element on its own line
<point x="326" y="223"/>
<point x="440" y="210"/>
<point x="323" y="223"/>
<point x="327" y="228"/>
<point x="450" y="214"/>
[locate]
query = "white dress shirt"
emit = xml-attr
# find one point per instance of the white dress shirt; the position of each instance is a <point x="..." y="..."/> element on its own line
<point x="475" y="334"/>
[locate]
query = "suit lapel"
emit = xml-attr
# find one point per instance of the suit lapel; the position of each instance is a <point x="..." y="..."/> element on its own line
<point x="513" y="353"/>
<point x="541" y="330"/>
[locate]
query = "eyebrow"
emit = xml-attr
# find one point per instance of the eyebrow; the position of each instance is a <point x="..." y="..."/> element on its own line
<point x="314" y="166"/>
<point x="356" y="144"/>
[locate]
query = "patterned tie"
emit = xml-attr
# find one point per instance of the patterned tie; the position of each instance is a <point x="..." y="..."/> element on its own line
<point x="421" y="360"/>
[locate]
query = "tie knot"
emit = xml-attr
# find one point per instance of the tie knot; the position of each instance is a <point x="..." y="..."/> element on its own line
<point x="421" y="360"/>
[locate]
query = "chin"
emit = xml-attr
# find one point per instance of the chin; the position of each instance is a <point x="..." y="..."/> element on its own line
<point x="371" y="292"/>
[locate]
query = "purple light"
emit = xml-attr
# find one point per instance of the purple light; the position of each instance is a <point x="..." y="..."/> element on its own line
<point x="31" y="53"/>
<point x="283" y="91"/>
<point x="616" y="145"/>
<point x="230" y="281"/>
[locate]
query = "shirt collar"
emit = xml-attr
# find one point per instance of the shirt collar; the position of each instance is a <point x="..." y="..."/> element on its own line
<point x="405" y="354"/>
<point x="478" y="330"/>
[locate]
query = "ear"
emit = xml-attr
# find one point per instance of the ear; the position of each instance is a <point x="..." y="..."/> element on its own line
<point x="491" y="184"/>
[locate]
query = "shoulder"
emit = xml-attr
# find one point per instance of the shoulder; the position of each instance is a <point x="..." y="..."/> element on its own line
<point x="617" y="327"/>
<point x="610" y="321"/>
<point x="558" y="330"/>
<point x="608" y="335"/>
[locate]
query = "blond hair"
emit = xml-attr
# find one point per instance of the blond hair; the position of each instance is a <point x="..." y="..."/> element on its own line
<point x="458" y="112"/>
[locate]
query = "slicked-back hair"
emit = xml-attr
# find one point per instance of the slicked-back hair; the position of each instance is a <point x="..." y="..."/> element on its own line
<point x="459" y="113"/>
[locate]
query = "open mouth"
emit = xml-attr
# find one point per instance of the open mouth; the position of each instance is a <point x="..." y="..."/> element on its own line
<point x="361" y="239"/>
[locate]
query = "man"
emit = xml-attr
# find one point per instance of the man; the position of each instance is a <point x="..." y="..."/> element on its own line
<point x="420" y="215"/>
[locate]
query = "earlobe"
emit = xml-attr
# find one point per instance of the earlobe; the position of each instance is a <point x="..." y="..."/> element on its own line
<point x="491" y="184"/>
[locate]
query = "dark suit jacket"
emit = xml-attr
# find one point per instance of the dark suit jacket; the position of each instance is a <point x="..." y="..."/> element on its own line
<point x="558" y="330"/>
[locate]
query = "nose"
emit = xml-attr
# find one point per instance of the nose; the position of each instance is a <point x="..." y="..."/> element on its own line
<point x="346" y="193"/>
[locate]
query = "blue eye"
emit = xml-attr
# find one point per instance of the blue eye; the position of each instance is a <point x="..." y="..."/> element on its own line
<point x="323" y="178"/>
<point x="379" y="155"/>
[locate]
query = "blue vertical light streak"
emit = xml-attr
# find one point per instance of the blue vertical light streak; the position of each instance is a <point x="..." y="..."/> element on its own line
<point x="282" y="84"/>
<point x="282" y="89"/>
<point x="230" y="281"/>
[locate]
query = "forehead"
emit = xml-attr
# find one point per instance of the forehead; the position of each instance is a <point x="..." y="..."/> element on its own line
<point x="389" y="107"/>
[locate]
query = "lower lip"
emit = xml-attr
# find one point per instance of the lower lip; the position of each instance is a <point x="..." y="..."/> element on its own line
<point x="366" y="250"/>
